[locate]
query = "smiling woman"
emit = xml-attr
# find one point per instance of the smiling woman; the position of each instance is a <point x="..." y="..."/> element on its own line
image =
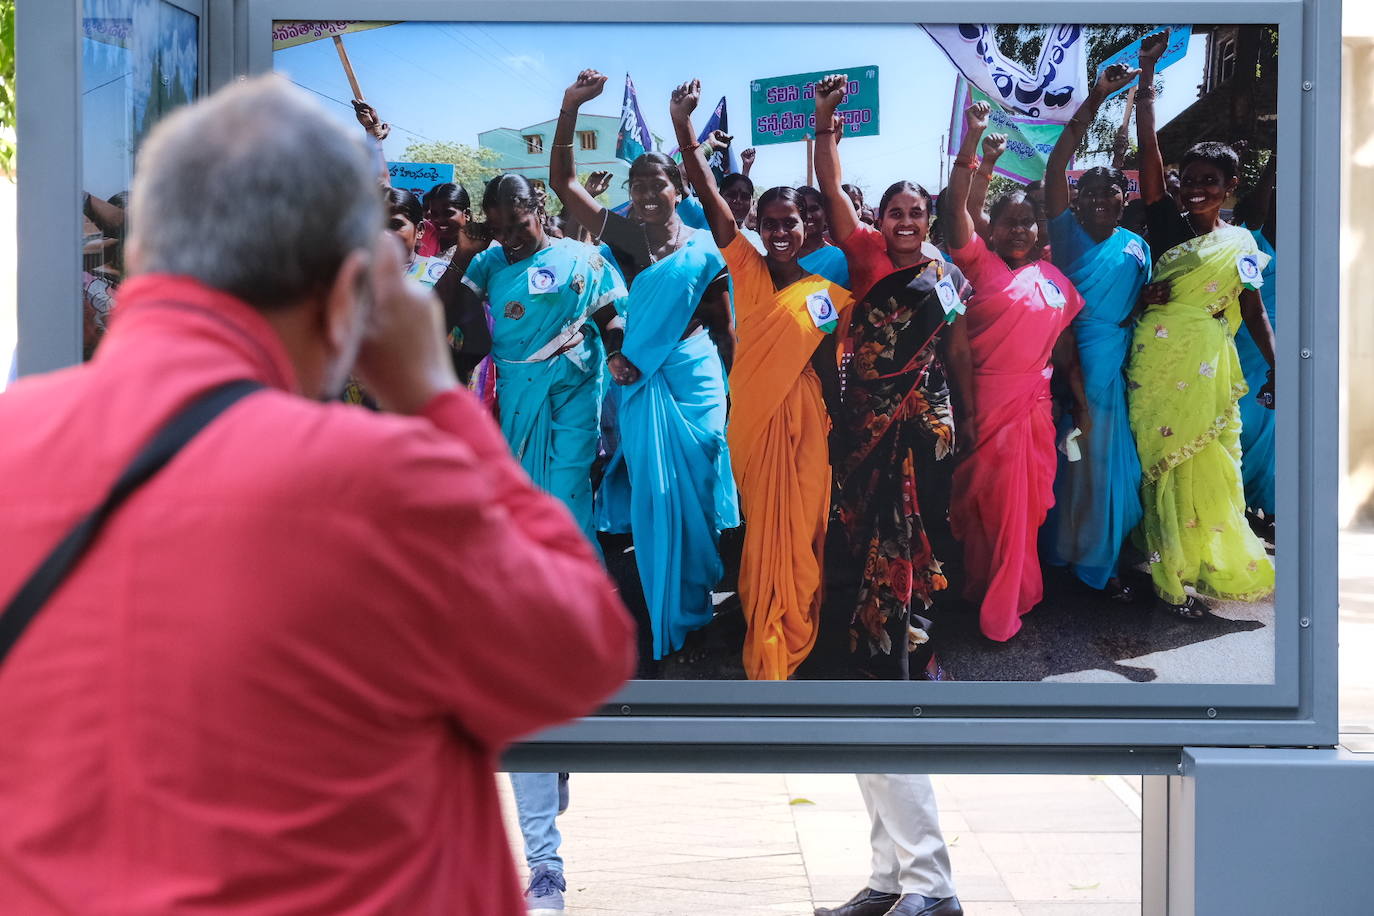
<point x="786" y="359"/>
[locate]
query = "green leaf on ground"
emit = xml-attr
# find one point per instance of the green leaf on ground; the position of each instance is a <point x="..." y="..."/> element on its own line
<point x="801" y="801"/>
<point x="1086" y="887"/>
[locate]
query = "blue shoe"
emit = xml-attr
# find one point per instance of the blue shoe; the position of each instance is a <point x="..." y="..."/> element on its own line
<point x="544" y="896"/>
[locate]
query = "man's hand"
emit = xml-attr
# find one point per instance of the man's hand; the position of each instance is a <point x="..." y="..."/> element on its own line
<point x="994" y="145"/>
<point x="597" y="183"/>
<point x="1153" y="47"/>
<point x="829" y="96"/>
<point x="404" y="361"/>
<point x="623" y="372"/>
<point x="684" y="101"/>
<point x="976" y="117"/>
<point x="718" y="140"/>
<point x="372" y="123"/>
<point x="1156" y="293"/>
<point x="1113" y="78"/>
<point x="586" y="87"/>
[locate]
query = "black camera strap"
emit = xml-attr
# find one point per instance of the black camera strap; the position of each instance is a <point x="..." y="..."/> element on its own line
<point x="51" y="573"/>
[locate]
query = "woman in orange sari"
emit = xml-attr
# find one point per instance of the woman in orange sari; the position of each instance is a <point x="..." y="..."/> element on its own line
<point x="785" y="322"/>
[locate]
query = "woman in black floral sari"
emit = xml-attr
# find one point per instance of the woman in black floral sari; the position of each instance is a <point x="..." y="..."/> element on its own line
<point x="893" y="459"/>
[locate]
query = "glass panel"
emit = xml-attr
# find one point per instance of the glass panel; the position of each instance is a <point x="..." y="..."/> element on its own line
<point x="140" y="59"/>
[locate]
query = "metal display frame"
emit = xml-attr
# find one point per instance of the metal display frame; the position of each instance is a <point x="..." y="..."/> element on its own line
<point x="852" y="725"/>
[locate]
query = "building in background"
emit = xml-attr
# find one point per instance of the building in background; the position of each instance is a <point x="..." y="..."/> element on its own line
<point x="1238" y="96"/>
<point x="525" y="151"/>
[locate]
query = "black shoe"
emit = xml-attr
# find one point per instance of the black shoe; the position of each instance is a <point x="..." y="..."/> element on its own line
<point x="562" y="792"/>
<point x="866" y="902"/>
<point x="916" y="905"/>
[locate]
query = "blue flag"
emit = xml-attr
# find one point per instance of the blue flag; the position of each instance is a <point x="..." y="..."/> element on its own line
<point x="633" y="139"/>
<point x="1130" y="55"/>
<point x="722" y="163"/>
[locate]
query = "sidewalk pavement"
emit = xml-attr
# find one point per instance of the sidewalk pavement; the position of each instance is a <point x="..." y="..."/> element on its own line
<point x="727" y="844"/>
<point x="667" y="844"/>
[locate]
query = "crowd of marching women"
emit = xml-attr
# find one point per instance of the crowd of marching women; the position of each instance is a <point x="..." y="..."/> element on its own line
<point x="887" y="419"/>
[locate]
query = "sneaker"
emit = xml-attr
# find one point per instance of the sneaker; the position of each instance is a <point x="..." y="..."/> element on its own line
<point x="544" y="896"/>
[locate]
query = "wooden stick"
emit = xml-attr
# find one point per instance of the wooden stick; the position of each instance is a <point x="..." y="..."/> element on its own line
<point x="348" y="68"/>
<point x="1122" y="141"/>
<point x="810" y="162"/>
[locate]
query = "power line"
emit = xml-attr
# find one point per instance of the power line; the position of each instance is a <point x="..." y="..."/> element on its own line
<point x="349" y="106"/>
<point x="108" y="82"/>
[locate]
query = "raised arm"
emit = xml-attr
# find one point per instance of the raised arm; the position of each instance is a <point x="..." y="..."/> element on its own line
<point x="1152" y="186"/>
<point x="1056" y="169"/>
<point x="377" y="129"/>
<point x="746" y="160"/>
<point x="581" y="205"/>
<point x="718" y="215"/>
<point x="961" y="227"/>
<point x="994" y="145"/>
<point x="839" y="209"/>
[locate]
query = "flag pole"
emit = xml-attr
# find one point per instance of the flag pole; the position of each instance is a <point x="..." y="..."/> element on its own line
<point x="1123" y="135"/>
<point x="348" y="68"/>
<point x="810" y="162"/>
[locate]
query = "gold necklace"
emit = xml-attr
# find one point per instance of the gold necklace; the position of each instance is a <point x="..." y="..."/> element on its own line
<point x="653" y="258"/>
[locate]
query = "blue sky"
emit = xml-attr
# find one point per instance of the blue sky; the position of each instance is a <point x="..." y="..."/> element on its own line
<point x="449" y="81"/>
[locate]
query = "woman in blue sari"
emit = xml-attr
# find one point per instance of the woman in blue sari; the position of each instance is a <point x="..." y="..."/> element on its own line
<point x="545" y="294"/>
<point x="1097" y="497"/>
<point x="1256" y="213"/>
<point x="670" y="482"/>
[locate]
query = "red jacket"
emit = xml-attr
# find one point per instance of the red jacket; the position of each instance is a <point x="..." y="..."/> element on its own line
<point x="279" y="681"/>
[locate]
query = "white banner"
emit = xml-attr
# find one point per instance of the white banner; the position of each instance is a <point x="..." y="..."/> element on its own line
<point x="1052" y="92"/>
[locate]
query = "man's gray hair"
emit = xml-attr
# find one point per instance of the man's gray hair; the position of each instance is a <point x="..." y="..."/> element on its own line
<point x="255" y="191"/>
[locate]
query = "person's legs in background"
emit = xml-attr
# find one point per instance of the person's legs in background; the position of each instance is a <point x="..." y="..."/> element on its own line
<point x="911" y="872"/>
<point x="537" y="803"/>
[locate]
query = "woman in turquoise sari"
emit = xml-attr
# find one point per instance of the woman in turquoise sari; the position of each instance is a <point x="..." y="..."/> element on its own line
<point x="670" y="482"/>
<point x="1097" y="485"/>
<point x="1185" y="379"/>
<point x="1256" y="213"/>
<point x="545" y="294"/>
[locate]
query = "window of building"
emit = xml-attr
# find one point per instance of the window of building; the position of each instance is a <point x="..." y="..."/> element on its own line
<point x="534" y="143"/>
<point x="1226" y="60"/>
<point x="587" y="139"/>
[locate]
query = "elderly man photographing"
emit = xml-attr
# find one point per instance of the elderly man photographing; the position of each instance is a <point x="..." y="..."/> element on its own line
<point x="279" y="677"/>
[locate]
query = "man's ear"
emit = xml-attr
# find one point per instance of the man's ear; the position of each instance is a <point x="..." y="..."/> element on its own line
<point x="345" y="306"/>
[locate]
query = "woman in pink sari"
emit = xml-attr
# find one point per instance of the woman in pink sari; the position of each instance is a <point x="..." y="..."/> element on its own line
<point x="1018" y="324"/>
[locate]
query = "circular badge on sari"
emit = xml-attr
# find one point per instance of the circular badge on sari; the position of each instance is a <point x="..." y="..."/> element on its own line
<point x="515" y="310"/>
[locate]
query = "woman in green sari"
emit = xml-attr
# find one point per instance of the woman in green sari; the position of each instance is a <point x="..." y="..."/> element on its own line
<point x="1184" y="378"/>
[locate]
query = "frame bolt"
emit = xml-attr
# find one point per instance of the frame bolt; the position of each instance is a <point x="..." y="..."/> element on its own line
<point x="1211" y="712"/>
<point x="1305" y="353"/>
<point x="1305" y="622"/>
<point x="625" y="710"/>
<point x="915" y="710"/>
<point x="1306" y="85"/>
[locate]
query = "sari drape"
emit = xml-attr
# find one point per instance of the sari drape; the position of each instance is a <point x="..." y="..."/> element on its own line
<point x="780" y="456"/>
<point x="897" y="423"/>
<point x="670" y="481"/>
<point x="1005" y="486"/>
<point x="550" y="372"/>
<point x="1097" y="498"/>
<point x="1256" y="420"/>
<point x="1185" y="380"/>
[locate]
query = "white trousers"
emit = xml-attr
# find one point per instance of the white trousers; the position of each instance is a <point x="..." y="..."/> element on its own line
<point x="909" y="853"/>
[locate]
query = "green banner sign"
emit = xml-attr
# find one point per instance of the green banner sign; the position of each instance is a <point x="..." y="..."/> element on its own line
<point x="782" y="109"/>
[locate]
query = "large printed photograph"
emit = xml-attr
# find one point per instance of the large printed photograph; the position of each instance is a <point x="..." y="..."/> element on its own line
<point x="862" y="352"/>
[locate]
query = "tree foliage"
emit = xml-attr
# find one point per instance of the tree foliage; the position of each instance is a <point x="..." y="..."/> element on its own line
<point x="1022" y="43"/>
<point x="472" y="165"/>
<point x="7" y="114"/>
